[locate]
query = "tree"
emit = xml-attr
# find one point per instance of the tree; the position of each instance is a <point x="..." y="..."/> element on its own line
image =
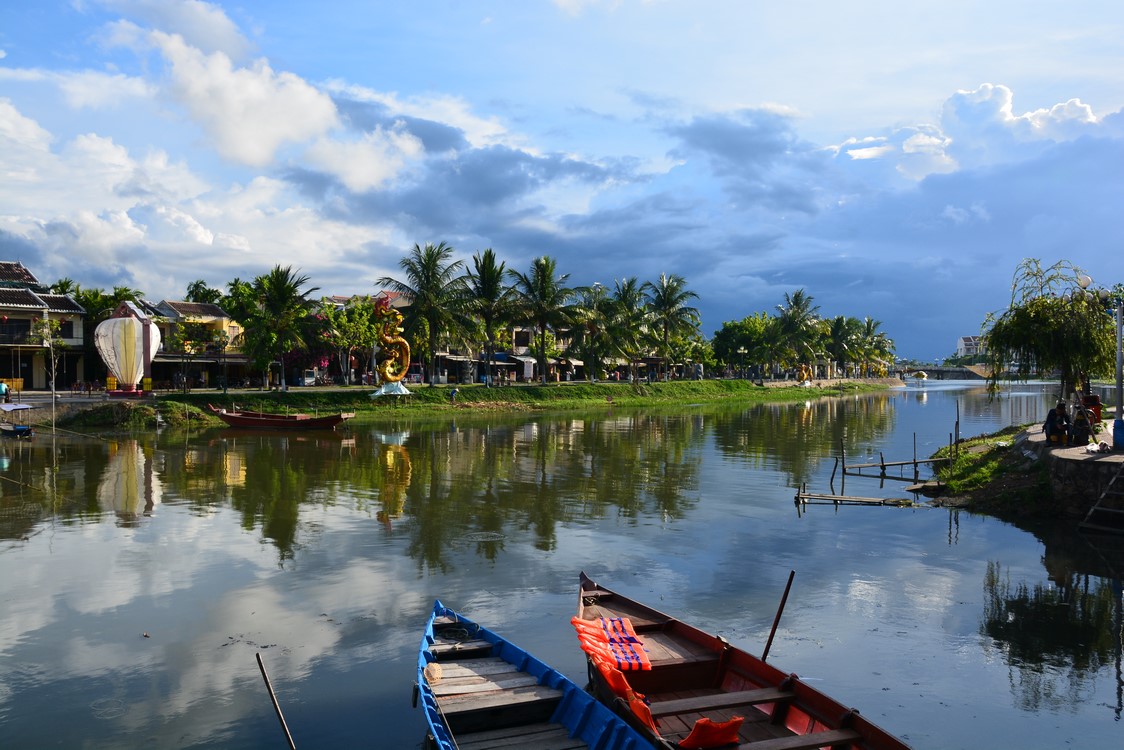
<point x="628" y="327"/>
<point x="279" y="321"/>
<point x="199" y="292"/>
<point x="799" y="327"/>
<point x="434" y="291"/>
<point x="349" y="328"/>
<point x="843" y="340"/>
<point x="543" y="299"/>
<point x="489" y="299"/>
<point x="45" y="332"/>
<point x="1052" y="324"/>
<point x="589" y="336"/>
<point x="670" y="315"/>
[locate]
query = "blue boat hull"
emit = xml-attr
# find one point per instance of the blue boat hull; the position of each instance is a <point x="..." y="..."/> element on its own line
<point x="466" y="690"/>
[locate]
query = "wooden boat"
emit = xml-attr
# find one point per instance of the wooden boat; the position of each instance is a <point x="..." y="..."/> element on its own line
<point x="265" y="420"/>
<point x="480" y="691"/>
<point x="699" y="683"/>
<point x="20" y="430"/>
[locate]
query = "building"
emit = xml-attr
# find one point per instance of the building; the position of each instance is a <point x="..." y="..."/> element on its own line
<point x="25" y="360"/>
<point x="970" y="346"/>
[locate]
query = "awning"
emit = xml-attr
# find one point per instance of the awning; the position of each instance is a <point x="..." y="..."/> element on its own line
<point x="522" y="358"/>
<point x="574" y="362"/>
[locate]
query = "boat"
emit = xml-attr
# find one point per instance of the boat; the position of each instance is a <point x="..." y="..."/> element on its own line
<point x="20" y="430"/>
<point x="479" y="691"/>
<point x="682" y="687"/>
<point x="264" y="420"/>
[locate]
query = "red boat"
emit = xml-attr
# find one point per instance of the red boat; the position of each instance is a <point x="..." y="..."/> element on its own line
<point x="683" y="688"/>
<point x="264" y="420"/>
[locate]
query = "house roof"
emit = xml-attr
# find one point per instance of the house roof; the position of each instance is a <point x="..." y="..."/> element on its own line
<point x="60" y="303"/>
<point x="21" y="298"/>
<point x="192" y="309"/>
<point x="16" y="273"/>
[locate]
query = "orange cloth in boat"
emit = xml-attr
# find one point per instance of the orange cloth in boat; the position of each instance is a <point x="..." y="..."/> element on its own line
<point x="614" y="640"/>
<point x="616" y="681"/>
<point x="708" y="734"/>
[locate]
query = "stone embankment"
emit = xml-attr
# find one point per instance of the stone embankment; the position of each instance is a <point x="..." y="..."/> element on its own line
<point x="1077" y="477"/>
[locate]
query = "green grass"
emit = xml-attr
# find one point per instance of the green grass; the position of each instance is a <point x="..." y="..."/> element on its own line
<point x="190" y="408"/>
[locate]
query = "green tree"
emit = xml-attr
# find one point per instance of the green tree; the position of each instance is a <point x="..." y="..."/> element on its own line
<point x="543" y="299"/>
<point x="280" y="320"/>
<point x="199" y="292"/>
<point x="628" y="326"/>
<point x="434" y="290"/>
<point x="488" y="298"/>
<point x="589" y="336"/>
<point x="348" y="328"/>
<point x="799" y="327"/>
<point x="670" y="314"/>
<point x="843" y="340"/>
<point x="1053" y="324"/>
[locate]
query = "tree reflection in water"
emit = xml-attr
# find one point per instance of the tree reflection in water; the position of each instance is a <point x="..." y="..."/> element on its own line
<point x="1054" y="638"/>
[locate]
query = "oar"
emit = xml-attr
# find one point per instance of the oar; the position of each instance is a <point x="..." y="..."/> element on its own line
<point x="777" y="619"/>
<point x="276" y="705"/>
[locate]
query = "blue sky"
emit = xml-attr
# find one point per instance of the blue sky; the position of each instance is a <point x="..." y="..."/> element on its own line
<point x="894" y="160"/>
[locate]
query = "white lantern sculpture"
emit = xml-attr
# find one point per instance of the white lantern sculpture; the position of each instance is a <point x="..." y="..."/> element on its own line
<point x="122" y="346"/>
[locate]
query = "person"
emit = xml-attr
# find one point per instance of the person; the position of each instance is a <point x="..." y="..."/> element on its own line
<point x="6" y="392"/>
<point x="453" y="395"/>
<point x="1082" y="428"/>
<point x="1057" y="425"/>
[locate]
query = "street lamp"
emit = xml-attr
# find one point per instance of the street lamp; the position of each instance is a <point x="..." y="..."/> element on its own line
<point x="741" y="351"/>
<point x="1084" y="282"/>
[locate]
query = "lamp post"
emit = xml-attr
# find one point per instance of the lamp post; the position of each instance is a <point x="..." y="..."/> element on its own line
<point x="741" y="351"/>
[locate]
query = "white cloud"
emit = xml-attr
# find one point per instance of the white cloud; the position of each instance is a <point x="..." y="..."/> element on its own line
<point x="21" y="131"/>
<point x="450" y="110"/>
<point x="368" y="163"/>
<point x="203" y="25"/>
<point x="96" y="90"/>
<point x="249" y="112"/>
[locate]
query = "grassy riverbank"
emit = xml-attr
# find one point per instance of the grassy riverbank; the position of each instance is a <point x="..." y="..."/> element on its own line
<point x="182" y="408"/>
<point x="991" y="475"/>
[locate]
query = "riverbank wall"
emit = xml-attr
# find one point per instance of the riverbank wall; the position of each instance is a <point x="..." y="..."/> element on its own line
<point x="1077" y="477"/>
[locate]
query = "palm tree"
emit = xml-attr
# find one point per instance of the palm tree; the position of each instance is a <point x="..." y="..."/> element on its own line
<point x="198" y="291"/>
<point x="488" y="298"/>
<point x="543" y="299"/>
<point x="874" y="344"/>
<point x="65" y="285"/>
<point x="281" y="323"/>
<point x="589" y="335"/>
<point x="843" y="340"/>
<point x="434" y="291"/>
<point x="670" y="316"/>
<point x="629" y="326"/>
<point x="798" y="322"/>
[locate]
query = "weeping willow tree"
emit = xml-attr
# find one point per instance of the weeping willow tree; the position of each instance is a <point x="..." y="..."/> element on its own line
<point x="1055" y="324"/>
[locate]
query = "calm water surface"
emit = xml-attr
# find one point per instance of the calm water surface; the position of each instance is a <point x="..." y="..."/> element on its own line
<point x="139" y="577"/>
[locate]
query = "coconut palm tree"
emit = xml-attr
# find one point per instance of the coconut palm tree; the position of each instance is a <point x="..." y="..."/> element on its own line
<point x="488" y="298"/>
<point x="281" y="323"/>
<point x="589" y="336"/>
<point x="198" y="291"/>
<point x="799" y="326"/>
<point x="432" y="286"/>
<point x="628" y="329"/>
<point x="874" y="344"/>
<point x="670" y="315"/>
<point x="843" y="340"/>
<point x="543" y="299"/>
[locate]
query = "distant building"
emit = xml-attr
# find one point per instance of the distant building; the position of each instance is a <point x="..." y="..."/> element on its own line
<point x="970" y="346"/>
<point x="24" y="301"/>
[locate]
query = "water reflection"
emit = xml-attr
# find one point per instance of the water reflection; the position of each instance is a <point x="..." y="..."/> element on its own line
<point x="322" y="550"/>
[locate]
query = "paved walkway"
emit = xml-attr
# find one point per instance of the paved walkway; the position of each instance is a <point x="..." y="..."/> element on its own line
<point x="1037" y="440"/>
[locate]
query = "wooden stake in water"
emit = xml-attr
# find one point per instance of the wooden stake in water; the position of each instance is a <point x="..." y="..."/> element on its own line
<point x="276" y="705"/>
<point x="777" y="619"/>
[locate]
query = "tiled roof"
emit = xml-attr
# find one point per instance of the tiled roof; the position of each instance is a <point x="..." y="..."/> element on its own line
<point x="60" y="303"/>
<point x="21" y="298"/>
<point x="16" y="272"/>
<point x="194" y="309"/>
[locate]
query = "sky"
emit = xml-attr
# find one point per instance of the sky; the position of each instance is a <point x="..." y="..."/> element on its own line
<point x="894" y="160"/>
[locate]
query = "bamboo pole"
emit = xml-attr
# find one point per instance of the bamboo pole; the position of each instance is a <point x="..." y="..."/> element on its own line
<point x="276" y="705"/>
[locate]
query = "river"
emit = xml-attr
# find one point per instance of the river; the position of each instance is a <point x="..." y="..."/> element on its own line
<point x="140" y="575"/>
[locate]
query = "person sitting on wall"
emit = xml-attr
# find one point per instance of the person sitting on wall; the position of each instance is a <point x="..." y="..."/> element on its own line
<point x="1057" y="425"/>
<point x="1082" y="428"/>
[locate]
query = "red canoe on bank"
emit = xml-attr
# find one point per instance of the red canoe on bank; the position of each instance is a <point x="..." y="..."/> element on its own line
<point x="263" y="420"/>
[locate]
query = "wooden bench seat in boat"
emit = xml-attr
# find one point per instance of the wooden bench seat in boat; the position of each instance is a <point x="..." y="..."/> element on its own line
<point x="476" y="694"/>
<point x="543" y="736"/>
<point x="831" y="738"/>
<point x="704" y="703"/>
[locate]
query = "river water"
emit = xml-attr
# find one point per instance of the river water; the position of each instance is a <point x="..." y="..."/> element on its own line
<point x="139" y="576"/>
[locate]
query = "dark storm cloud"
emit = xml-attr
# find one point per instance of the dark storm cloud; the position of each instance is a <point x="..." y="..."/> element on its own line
<point x="436" y="137"/>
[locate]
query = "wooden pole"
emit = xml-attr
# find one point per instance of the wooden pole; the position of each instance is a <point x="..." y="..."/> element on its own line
<point x="276" y="705"/>
<point x="777" y="619"/>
